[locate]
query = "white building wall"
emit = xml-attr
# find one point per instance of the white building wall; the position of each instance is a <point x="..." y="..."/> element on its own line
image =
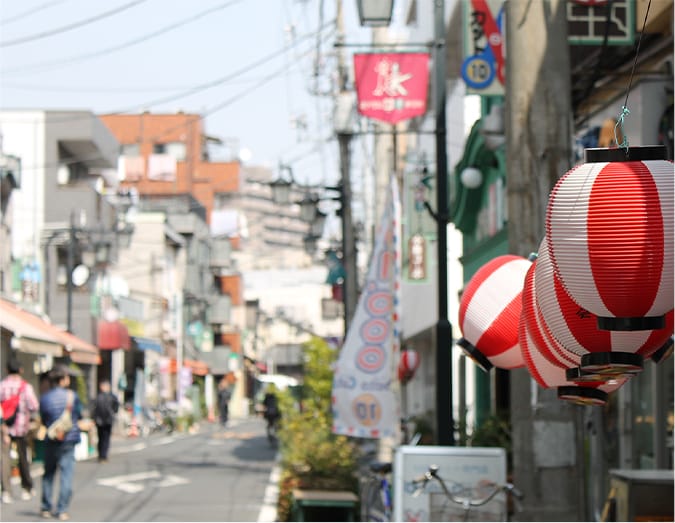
<point x="23" y="135"/>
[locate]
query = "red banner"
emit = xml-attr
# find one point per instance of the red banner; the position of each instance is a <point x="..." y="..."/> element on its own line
<point x="391" y="87"/>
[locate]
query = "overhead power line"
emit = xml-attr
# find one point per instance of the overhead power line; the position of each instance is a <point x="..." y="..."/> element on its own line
<point x="209" y="111"/>
<point x="88" y="56"/>
<point x="69" y="27"/>
<point x="30" y="12"/>
<point x="207" y="85"/>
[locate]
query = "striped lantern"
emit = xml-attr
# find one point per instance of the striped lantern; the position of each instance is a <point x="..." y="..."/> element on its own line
<point x="609" y="229"/>
<point x="547" y="345"/>
<point x="583" y="390"/>
<point x="576" y="329"/>
<point x="545" y="342"/>
<point x="489" y="311"/>
<point x="410" y="361"/>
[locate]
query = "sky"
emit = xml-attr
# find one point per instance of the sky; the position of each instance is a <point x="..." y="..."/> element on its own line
<point x="250" y="67"/>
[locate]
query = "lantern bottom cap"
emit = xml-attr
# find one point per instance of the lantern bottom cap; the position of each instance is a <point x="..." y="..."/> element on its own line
<point x="612" y="363"/>
<point x="477" y="356"/>
<point x="578" y="375"/>
<point x="582" y="395"/>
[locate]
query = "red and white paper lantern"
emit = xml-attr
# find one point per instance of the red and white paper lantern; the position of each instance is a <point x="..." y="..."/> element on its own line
<point x="576" y="329"/>
<point x="533" y="343"/>
<point x="410" y="361"/>
<point x="489" y="312"/>
<point x="609" y="228"/>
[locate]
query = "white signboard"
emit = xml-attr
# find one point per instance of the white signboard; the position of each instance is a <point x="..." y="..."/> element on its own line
<point x="465" y="470"/>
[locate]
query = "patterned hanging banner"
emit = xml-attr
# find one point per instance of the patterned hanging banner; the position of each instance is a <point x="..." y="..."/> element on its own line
<point x="365" y="400"/>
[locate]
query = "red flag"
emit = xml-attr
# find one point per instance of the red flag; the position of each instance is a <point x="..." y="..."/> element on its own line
<point x="391" y="87"/>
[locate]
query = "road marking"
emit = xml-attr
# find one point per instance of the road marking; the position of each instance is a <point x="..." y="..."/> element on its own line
<point x="268" y="511"/>
<point x="133" y="483"/>
<point x="132" y="448"/>
<point x="233" y="435"/>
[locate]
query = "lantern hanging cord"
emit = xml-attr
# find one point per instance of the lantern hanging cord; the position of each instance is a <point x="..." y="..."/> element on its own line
<point x="624" y="109"/>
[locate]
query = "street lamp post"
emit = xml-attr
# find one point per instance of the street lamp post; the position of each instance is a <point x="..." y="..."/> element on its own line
<point x="443" y="342"/>
<point x="444" y="418"/>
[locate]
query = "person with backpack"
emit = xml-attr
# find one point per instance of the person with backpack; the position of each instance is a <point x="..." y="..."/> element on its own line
<point x="106" y="406"/>
<point x="19" y="404"/>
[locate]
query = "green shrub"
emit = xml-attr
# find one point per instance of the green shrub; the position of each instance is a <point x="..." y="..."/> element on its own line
<point x="311" y="455"/>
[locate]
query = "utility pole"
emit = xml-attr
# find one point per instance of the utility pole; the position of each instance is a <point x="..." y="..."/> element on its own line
<point x="546" y="432"/>
<point x="350" y="285"/>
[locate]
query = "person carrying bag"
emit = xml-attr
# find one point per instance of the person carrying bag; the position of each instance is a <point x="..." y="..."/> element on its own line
<point x="60" y="409"/>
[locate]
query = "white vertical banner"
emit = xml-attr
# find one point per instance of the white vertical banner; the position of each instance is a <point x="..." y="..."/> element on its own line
<point x="365" y="398"/>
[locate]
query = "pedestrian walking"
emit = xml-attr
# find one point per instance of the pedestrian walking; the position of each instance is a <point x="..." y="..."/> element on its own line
<point x="106" y="406"/>
<point x="16" y="428"/>
<point x="224" y="395"/>
<point x="271" y="404"/>
<point x="56" y="404"/>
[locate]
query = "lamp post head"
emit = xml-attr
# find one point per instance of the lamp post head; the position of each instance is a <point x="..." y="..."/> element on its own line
<point x="281" y="187"/>
<point x="375" y="13"/>
<point x="308" y="207"/>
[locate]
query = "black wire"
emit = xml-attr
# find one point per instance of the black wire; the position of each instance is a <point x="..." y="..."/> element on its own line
<point x="63" y="29"/>
<point x="30" y="12"/>
<point x="96" y="54"/>
<point x="229" y="101"/>
<point x="204" y="86"/>
<point x="637" y="53"/>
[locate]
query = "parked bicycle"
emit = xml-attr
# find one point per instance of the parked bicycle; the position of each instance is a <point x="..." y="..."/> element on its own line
<point x="376" y="499"/>
<point x="463" y="499"/>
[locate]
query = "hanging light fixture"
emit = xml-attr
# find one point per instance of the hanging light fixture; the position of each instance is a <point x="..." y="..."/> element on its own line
<point x="281" y="186"/>
<point x="375" y="13"/>
<point x="410" y="362"/>
<point x="489" y="312"/>
<point x="316" y="227"/>
<point x="609" y="228"/>
<point x="583" y="390"/>
<point x="471" y="177"/>
<point x="576" y="329"/>
<point x="308" y="207"/>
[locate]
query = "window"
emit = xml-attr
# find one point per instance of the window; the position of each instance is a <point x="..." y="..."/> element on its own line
<point x="175" y="149"/>
<point x="130" y="149"/>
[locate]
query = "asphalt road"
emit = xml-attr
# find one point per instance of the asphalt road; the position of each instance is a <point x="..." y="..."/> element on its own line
<point x="219" y="474"/>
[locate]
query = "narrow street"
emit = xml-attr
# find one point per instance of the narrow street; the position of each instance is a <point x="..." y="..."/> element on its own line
<point x="218" y="474"/>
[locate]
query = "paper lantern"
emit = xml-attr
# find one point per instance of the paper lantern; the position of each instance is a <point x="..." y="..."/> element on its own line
<point x="609" y="229"/>
<point x="547" y="345"/>
<point x="409" y="363"/>
<point x="576" y="329"/>
<point x="583" y="390"/>
<point x="489" y="312"/>
<point x="410" y="360"/>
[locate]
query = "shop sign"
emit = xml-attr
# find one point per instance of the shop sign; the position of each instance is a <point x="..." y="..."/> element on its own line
<point x="587" y="22"/>
<point x="483" y="68"/>
<point x="391" y="87"/>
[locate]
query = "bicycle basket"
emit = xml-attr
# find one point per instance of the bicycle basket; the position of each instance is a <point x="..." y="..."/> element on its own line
<point x="443" y="509"/>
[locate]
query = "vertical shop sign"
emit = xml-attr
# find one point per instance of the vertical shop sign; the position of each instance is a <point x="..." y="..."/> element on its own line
<point x="483" y="68"/>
